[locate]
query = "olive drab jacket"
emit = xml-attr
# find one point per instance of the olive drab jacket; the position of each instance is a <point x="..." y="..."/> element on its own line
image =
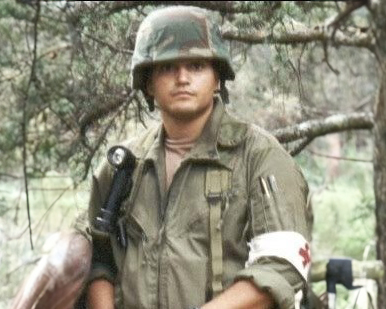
<point x="222" y="219"/>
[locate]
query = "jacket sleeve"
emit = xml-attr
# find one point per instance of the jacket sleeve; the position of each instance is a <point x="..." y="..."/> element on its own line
<point x="102" y="265"/>
<point x="279" y="251"/>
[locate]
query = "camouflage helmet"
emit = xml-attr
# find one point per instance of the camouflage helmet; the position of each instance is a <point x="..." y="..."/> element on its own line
<point x="178" y="32"/>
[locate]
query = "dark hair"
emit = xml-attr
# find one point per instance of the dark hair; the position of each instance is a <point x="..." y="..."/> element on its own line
<point x="146" y="73"/>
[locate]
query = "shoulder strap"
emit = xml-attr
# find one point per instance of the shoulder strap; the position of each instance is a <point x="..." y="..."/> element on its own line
<point x="217" y="188"/>
<point x="137" y="176"/>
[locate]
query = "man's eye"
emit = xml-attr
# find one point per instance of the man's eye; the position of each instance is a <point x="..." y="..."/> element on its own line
<point x="164" y="68"/>
<point x="197" y="65"/>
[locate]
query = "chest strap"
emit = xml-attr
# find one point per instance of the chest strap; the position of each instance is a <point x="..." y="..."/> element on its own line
<point x="217" y="188"/>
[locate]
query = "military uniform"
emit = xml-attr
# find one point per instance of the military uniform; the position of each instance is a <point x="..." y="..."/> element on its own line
<point x="236" y="206"/>
<point x="170" y="259"/>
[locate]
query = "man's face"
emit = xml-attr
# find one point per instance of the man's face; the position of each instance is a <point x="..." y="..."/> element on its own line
<point x="183" y="89"/>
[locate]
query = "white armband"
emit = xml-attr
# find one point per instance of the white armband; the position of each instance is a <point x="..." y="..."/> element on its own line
<point x="290" y="246"/>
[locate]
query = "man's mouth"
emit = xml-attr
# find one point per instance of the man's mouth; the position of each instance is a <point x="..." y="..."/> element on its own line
<point x="182" y="93"/>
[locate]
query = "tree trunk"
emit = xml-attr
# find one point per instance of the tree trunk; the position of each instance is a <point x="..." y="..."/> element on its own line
<point x="379" y="129"/>
<point x="380" y="182"/>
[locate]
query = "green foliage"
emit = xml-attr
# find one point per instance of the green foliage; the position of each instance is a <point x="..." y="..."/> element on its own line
<point x="344" y="220"/>
<point x="18" y="12"/>
<point x="338" y="229"/>
<point x="82" y="68"/>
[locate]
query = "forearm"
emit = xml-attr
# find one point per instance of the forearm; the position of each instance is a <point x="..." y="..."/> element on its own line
<point x="241" y="295"/>
<point x="100" y="295"/>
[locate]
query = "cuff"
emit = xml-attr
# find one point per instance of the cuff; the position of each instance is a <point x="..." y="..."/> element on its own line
<point x="100" y="271"/>
<point x="273" y="282"/>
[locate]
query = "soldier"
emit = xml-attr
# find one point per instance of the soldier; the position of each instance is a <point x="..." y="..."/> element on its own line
<point x="216" y="217"/>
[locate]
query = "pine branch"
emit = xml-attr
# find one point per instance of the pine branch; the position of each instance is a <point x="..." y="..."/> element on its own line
<point x="223" y="7"/>
<point x="299" y="146"/>
<point x="100" y="140"/>
<point x="5" y="175"/>
<point x="339" y="158"/>
<point x="112" y="48"/>
<point x="333" y="124"/>
<point x="342" y="16"/>
<point x="321" y="35"/>
<point x="104" y="110"/>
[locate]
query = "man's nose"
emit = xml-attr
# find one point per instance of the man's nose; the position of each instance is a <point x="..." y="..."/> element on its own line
<point x="182" y="75"/>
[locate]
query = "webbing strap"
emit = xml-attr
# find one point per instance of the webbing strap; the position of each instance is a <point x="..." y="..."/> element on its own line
<point x="138" y="172"/>
<point x="217" y="186"/>
<point x="137" y="177"/>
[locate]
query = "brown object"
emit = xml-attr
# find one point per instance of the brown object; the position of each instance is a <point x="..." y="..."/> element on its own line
<point x="57" y="280"/>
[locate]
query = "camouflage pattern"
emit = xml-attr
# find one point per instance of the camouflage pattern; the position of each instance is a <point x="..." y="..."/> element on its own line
<point x="178" y="33"/>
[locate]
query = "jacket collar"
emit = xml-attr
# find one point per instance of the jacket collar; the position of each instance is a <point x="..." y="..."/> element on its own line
<point x="222" y="132"/>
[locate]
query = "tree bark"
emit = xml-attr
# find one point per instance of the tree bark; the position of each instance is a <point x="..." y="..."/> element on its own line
<point x="378" y="9"/>
<point x="380" y="182"/>
<point x="333" y="124"/>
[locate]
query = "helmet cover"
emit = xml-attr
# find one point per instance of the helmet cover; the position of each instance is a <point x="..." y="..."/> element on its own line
<point x="178" y="32"/>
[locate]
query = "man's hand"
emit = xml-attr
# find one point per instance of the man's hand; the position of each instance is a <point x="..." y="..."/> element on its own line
<point x="100" y="295"/>
<point x="242" y="295"/>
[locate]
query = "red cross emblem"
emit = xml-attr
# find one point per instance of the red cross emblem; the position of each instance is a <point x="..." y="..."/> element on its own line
<point x="305" y="254"/>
